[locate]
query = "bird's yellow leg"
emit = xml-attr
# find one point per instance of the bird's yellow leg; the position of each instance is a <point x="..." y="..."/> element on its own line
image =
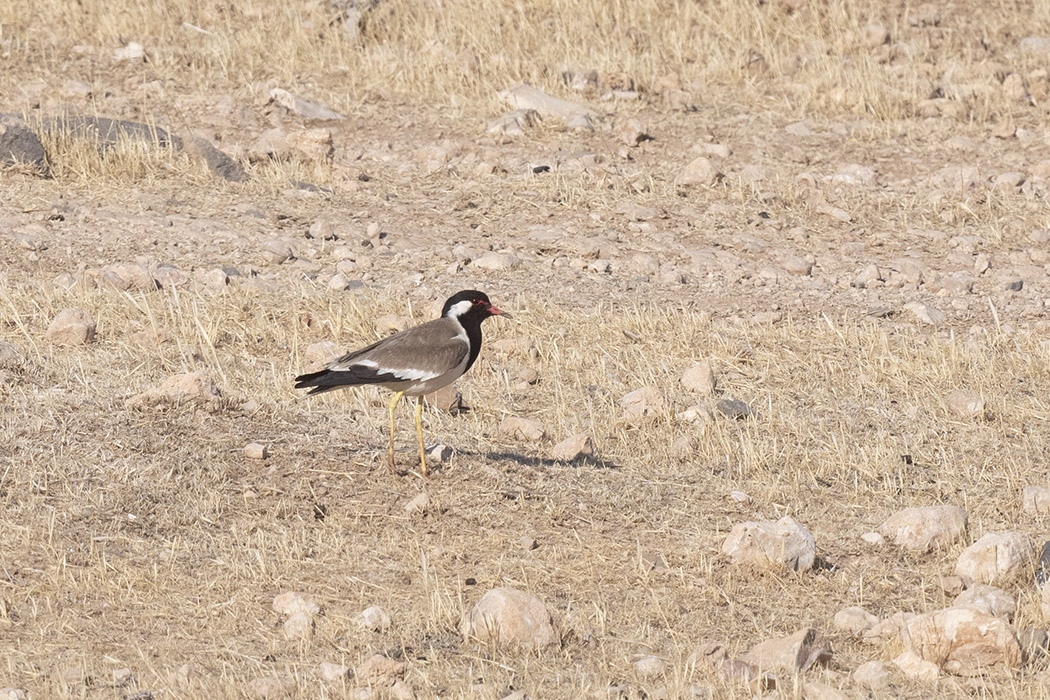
<point x="393" y="405"/>
<point x="419" y="435"/>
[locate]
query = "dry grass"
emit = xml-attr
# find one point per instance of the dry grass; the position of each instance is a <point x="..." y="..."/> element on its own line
<point x="148" y="541"/>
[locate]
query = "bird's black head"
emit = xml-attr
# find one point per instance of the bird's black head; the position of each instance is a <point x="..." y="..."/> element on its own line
<point x="470" y="304"/>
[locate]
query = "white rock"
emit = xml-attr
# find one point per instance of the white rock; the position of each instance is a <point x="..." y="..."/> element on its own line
<point x="290" y="603"/>
<point x="419" y="503"/>
<point x="854" y="619"/>
<point x="699" y="378"/>
<point x="791" y="654"/>
<point x="921" y="529"/>
<point x="401" y="690"/>
<point x="874" y="675"/>
<point x="784" y="544"/>
<point x="374" y="618"/>
<point x="815" y="690"/>
<point x="303" y="107"/>
<point x="334" y="672"/>
<point x="642" y="405"/>
<point x="925" y="313"/>
<point x="255" y="450"/>
<point x="133" y="51"/>
<point x="699" y="171"/>
<point x="1035" y="500"/>
<point x="914" y="666"/>
<point x="649" y="666"/>
<point x="854" y="174"/>
<point x="889" y="629"/>
<point x="965" y="404"/>
<point x="299" y="625"/>
<point x="740" y="497"/>
<point x="194" y="387"/>
<point x="71" y="327"/>
<point x="998" y="557"/>
<point x="989" y="599"/>
<point x="379" y="671"/>
<point x="12" y="694"/>
<point x="873" y="538"/>
<point x="438" y="454"/>
<point x="573" y="448"/>
<point x="497" y="261"/>
<point x="510" y="618"/>
<point x="522" y="428"/>
<point x="963" y="641"/>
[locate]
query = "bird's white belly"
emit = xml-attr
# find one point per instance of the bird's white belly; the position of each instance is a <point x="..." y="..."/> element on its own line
<point x="419" y="387"/>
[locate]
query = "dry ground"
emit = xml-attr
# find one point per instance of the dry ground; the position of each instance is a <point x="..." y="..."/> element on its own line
<point x="146" y="540"/>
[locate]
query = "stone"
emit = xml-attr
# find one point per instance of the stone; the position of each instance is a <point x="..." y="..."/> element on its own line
<point x="179" y="389"/>
<point x="401" y="690"/>
<point x="255" y="450"/>
<point x="573" y="448"/>
<point x="121" y="676"/>
<point x="854" y="174"/>
<point x="528" y="543"/>
<point x="700" y="171"/>
<point x="875" y="34"/>
<point x="920" y="529"/>
<point x="12" y="694"/>
<point x="322" y="352"/>
<point x="699" y="378"/>
<point x="854" y="619"/>
<point x="374" y="618"/>
<point x="514" y="123"/>
<point x="683" y="448"/>
<point x="734" y="409"/>
<point x="447" y="398"/>
<point x="793" y="654"/>
<point x="379" y="671"/>
<point x="438" y="454"/>
<point x="650" y="666"/>
<point x="630" y="132"/>
<point x="873" y="675"/>
<point x="988" y="599"/>
<point x="334" y="672"/>
<point x="742" y="497"/>
<point x="643" y="405"/>
<point x="998" y="558"/>
<point x="781" y="545"/>
<point x="815" y="690"/>
<point x="522" y="428"/>
<point x="312" y="145"/>
<point x="924" y="313"/>
<point x="965" y="404"/>
<point x="72" y="327"/>
<point x="132" y="52"/>
<point x="291" y="603"/>
<point x="873" y="538"/>
<point x="10" y="356"/>
<point x="914" y="666"/>
<point x="418" y="504"/>
<point x="497" y="261"/>
<point x="217" y="162"/>
<point x="299" y="625"/>
<point x="510" y="618"/>
<point x="19" y="145"/>
<point x="1035" y="500"/>
<point x="889" y="629"/>
<point x="303" y="107"/>
<point x="524" y="96"/>
<point x="963" y="641"/>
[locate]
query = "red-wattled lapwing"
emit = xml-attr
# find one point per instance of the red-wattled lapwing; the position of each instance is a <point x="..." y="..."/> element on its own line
<point x="415" y="361"/>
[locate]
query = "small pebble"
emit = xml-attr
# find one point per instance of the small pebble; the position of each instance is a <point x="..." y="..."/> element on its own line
<point x="254" y="450"/>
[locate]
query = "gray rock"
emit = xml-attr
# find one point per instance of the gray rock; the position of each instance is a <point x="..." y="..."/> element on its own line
<point x="780" y="545"/>
<point x="20" y="146"/>
<point x="874" y="675"/>
<point x="921" y="529"/>
<point x="217" y="162"/>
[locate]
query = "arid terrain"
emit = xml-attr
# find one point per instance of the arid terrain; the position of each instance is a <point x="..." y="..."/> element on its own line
<point x="808" y="241"/>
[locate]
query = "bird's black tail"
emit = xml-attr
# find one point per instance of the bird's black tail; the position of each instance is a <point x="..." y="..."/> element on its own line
<point x="330" y="380"/>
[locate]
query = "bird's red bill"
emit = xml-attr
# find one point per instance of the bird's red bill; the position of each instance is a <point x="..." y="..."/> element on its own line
<point x="496" y="312"/>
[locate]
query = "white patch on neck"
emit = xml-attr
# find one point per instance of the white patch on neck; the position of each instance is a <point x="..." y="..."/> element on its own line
<point x="458" y="309"/>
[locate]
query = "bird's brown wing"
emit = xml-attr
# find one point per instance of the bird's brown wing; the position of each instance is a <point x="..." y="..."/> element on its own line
<point x="417" y="354"/>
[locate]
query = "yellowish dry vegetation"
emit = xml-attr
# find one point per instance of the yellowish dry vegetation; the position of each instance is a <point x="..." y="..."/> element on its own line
<point x="146" y="540"/>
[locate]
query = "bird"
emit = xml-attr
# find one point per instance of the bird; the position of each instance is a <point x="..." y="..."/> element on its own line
<point x="414" y="362"/>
